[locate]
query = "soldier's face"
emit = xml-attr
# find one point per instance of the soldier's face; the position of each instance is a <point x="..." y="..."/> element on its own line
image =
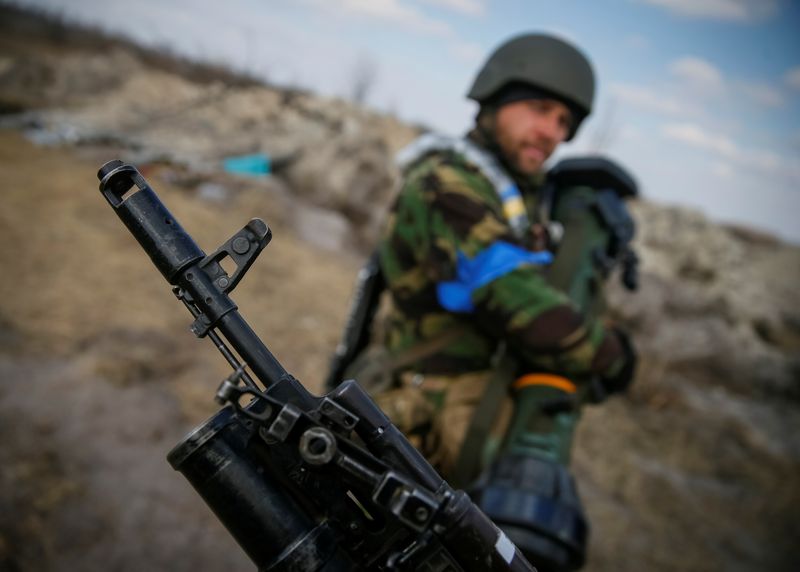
<point x="528" y="131"/>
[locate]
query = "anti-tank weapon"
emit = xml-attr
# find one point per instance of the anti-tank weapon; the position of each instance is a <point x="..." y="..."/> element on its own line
<point x="303" y="483"/>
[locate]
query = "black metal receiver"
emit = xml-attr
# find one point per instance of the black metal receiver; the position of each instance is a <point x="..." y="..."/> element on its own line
<point x="303" y="483"/>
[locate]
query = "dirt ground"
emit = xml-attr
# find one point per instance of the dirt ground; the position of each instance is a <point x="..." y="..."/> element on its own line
<point x="695" y="469"/>
<point x="100" y="378"/>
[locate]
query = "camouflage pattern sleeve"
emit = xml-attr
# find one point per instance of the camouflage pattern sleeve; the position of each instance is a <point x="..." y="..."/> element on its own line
<point x="448" y="212"/>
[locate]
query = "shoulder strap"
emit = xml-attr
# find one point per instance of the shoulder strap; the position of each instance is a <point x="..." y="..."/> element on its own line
<point x="424" y="349"/>
<point x="507" y="191"/>
<point x="470" y="457"/>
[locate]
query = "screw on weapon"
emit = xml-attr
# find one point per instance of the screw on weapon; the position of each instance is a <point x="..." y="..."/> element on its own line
<point x="317" y="446"/>
<point x="223" y="282"/>
<point x="240" y="245"/>
<point x="230" y="386"/>
<point x="225" y="391"/>
<point x="421" y="514"/>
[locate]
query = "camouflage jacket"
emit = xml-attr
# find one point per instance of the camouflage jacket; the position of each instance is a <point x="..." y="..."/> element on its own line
<point x="446" y="222"/>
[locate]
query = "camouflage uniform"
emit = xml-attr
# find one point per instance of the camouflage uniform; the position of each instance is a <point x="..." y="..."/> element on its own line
<point x="447" y="213"/>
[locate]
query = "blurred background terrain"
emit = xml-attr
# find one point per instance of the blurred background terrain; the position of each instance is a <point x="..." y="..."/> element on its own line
<point x="696" y="469"/>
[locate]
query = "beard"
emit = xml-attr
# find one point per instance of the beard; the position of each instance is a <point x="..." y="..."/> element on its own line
<point x="525" y="157"/>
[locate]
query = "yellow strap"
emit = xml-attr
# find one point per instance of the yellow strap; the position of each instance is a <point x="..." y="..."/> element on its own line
<point x="548" y="379"/>
<point x="514" y="207"/>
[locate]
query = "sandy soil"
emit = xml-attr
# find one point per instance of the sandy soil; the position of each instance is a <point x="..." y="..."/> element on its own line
<point x="101" y="377"/>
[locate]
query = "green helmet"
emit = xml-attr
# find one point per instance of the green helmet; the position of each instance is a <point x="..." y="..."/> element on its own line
<point x="543" y="62"/>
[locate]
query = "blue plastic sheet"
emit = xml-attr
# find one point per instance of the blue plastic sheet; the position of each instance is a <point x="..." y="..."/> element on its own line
<point x="256" y="165"/>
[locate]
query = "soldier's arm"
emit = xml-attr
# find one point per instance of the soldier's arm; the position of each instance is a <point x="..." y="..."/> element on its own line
<point x="472" y="251"/>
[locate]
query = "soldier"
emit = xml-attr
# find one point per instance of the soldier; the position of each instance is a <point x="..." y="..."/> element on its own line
<point x="495" y="271"/>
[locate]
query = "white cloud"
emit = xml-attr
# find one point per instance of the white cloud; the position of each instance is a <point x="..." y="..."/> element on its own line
<point x="722" y="170"/>
<point x="765" y="161"/>
<point x="694" y="83"/>
<point x="468" y="52"/>
<point x="647" y="99"/>
<point x="763" y="94"/>
<point x="469" y="7"/>
<point x="392" y="11"/>
<point x="730" y="10"/>
<point x="632" y="133"/>
<point x="696" y="136"/>
<point x="792" y="78"/>
<point x="704" y="79"/>
<point x="698" y="73"/>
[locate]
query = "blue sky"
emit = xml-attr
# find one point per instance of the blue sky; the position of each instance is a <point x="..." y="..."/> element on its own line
<point x="700" y="99"/>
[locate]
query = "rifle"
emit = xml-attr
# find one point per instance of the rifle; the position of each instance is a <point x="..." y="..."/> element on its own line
<point x="303" y="483"/>
<point x="370" y="284"/>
